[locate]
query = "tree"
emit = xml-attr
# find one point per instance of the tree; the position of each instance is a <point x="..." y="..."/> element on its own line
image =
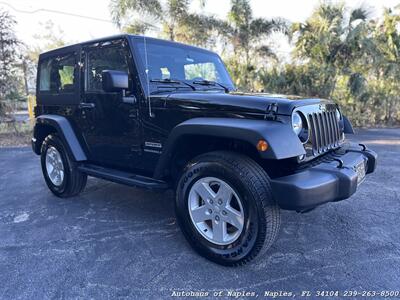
<point x="242" y="31"/>
<point x="343" y="55"/>
<point x="51" y="37"/>
<point x="247" y="36"/>
<point x="8" y="58"/>
<point x="384" y="79"/>
<point x="330" y="41"/>
<point x="177" y="23"/>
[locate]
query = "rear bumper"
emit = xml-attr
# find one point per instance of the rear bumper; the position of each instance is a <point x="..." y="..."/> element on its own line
<point x="334" y="180"/>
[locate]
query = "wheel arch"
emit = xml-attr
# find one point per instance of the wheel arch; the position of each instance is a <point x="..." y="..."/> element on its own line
<point x="48" y="124"/>
<point x="195" y="136"/>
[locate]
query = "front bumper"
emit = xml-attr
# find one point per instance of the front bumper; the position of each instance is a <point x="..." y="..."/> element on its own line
<point x="333" y="180"/>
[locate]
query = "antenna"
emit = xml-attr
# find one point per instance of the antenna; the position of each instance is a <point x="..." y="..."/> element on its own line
<point x="147" y="76"/>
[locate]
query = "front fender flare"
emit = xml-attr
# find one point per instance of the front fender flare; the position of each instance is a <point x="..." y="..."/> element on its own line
<point x="347" y="127"/>
<point x="283" y="142"/>
<point x="65" y="131"/>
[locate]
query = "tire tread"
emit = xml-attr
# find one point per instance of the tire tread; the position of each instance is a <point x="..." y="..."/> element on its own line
<point x="76" y="181"/>
<point x="259" y="184"/>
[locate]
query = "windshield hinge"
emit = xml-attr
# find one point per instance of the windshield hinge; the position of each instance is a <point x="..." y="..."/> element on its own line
<point x="271" y="111"/>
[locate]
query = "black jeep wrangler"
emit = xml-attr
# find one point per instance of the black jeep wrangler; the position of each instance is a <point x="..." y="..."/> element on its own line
<point x="156" y="114"/>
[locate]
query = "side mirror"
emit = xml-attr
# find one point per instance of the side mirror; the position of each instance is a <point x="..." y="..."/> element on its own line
<point x="114" y="81"/>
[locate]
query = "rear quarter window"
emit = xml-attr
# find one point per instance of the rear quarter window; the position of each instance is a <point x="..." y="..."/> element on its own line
<point x="58" y="74"/>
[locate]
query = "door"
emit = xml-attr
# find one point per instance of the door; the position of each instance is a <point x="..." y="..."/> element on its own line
<point x="110" y="121"/>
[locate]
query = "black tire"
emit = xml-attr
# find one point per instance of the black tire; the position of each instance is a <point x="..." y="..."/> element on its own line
<point x="74" y="181"/>
<point x="252" y="185"/>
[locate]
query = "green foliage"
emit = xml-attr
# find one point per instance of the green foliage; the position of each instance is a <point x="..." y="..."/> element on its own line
<point x="51" y="37"/>
<point x="177" y="23"/>
<point x="345" y="56"/>
<point x="10" y="83"/>
<point x="337" y="53"/>
<point x="248" y="38"/>
<point x="243" y="34"/>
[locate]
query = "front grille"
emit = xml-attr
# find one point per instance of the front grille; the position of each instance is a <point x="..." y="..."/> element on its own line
<point x="324" y="131"/>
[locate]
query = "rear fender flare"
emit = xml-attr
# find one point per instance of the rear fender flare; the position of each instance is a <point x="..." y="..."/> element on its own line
<point x="64" y="129"/>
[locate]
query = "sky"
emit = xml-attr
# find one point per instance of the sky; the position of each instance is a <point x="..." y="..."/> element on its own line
<point x="81" y="29"/>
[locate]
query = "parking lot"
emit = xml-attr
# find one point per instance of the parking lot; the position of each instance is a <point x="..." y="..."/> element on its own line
<point x="117" y="241"/>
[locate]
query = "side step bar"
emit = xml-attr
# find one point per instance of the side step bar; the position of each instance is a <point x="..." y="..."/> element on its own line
<point x="122" y="177"/>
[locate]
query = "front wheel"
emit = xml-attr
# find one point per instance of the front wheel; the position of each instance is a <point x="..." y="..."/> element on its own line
<point x="225" y="208"/>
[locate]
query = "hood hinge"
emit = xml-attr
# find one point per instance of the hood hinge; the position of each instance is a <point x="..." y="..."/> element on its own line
<point x="271" y="111"/>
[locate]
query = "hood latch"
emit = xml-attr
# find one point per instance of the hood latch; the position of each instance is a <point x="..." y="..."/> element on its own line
<point x="271" y="111"/>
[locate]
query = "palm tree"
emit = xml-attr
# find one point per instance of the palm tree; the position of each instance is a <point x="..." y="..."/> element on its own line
<point x="242" y="31"/>
<point x="247" y="36"/>
<point x="387" y="67"/>
<point x="331" y="40"/>
<point x="177" y="23"/>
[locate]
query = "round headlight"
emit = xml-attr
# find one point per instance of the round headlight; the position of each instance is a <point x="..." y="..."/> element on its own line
<point x="338" y="114"/>
<point x="297" y="123"/>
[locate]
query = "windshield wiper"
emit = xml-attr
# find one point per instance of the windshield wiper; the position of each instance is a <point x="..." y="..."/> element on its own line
<point x="210" y="82"/>
<point x="176" y="81"/>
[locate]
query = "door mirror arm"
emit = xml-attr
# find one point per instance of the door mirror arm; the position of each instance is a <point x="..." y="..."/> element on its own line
<point x="128" y="99"/>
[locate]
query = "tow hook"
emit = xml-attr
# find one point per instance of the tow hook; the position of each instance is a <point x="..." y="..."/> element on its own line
<point x="363" y="147"/>
<point x="340" y="165"/>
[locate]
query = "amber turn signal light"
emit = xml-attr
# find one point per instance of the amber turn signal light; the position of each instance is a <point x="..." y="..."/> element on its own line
<point x="262" y="145"/>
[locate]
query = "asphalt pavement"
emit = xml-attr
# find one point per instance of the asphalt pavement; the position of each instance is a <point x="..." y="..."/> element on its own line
<point x="114" y="241"/>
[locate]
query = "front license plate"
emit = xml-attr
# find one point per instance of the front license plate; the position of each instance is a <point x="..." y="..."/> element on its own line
<point x="360" y="170"/>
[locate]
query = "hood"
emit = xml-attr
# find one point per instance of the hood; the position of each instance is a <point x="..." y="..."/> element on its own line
<point x="234" y="101"/>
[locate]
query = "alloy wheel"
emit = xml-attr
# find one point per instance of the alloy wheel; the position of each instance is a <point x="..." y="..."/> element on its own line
<point x="54" y="166"/>
<point x="216" y="210"/>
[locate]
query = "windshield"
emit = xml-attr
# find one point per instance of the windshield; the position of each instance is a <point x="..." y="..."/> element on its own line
<point x="179" y="62"/>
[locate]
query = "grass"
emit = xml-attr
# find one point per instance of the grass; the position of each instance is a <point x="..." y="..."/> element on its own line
<point x="15" y="135"/>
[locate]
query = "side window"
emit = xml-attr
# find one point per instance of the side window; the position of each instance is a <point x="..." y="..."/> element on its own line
<point x="57" y="74"/>
<point x="100" y="59"/>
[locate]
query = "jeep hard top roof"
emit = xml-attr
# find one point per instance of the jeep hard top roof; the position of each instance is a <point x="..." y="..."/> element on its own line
<point x="74" y="47"/>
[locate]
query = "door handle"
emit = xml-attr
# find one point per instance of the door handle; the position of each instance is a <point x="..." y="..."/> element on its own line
<point x="84" y="105"/>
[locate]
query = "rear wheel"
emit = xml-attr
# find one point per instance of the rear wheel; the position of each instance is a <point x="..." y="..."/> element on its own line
<point x="59" y="170"/>
<point x="225" y="208"/>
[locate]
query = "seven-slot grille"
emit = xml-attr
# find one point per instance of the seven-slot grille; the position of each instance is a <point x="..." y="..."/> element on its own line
<point x="324" y="131"/>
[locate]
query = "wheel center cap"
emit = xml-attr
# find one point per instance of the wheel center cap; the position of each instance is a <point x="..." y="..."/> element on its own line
<point x="217" y="209"/>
